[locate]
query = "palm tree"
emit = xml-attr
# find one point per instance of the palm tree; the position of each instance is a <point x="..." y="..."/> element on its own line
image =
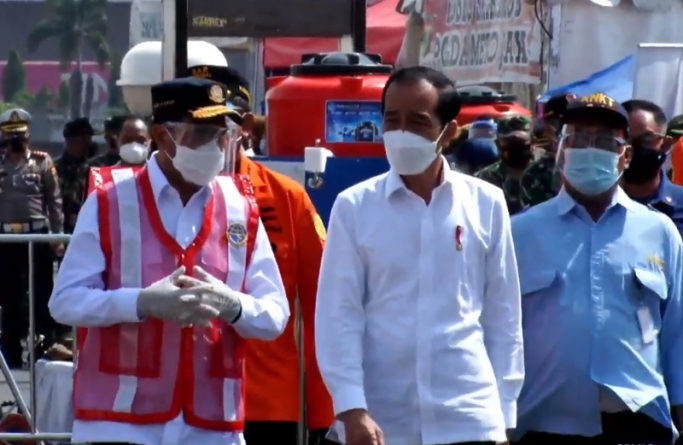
<point x="75" y="24"/>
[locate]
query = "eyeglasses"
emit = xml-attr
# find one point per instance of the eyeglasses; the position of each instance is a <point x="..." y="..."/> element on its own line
<point x="580" y="139"/>
<point x="649" y="140"/>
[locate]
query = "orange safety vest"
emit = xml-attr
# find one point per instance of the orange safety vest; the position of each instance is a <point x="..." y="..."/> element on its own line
<point x="297" y="236"/>
<point x="152" y="371"/>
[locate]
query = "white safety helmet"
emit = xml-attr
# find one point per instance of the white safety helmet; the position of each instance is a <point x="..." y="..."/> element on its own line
<point x="141" y="68"/>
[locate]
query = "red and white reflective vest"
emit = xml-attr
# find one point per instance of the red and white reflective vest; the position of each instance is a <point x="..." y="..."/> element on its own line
<point x="150" y="372"/>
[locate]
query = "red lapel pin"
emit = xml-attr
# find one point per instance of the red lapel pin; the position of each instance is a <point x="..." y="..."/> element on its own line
<point x="458" y="237"/>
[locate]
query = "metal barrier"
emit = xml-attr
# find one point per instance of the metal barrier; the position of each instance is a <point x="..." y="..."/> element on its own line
<point x="34" y="435"/>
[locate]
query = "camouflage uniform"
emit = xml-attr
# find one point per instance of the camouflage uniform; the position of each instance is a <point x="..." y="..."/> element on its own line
<point x="498" y="175"/>
<point x="540" y="181"/>
<point x="108" y="159"/>
<point x="73" y="177"/>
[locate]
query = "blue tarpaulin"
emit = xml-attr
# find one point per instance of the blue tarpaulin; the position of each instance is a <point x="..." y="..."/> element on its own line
<point x="615" y="81"/>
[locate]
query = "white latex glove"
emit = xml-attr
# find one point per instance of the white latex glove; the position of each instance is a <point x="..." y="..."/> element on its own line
<point x="166" y="301"/>
<point x="214" y="294"/>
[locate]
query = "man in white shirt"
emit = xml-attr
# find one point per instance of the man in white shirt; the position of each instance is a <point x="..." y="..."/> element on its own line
<point x="169" y="268"/>
<point x="418" y="326"/>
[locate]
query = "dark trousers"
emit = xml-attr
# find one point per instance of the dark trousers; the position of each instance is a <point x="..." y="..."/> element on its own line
<point x="617" y="428"/>
<point x="280" y="433"/>
<point x="14" y="297"/>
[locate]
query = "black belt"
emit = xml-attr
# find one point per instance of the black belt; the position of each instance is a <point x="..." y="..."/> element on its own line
<point x="25" y="227"/>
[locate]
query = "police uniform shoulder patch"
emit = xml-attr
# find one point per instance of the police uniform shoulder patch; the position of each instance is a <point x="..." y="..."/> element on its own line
<point x="39" y="154"/>
<point x="237" y="235"/>
<point x="319" y="227"/>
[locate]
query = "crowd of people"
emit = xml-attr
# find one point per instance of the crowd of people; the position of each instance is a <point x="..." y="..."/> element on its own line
<point x="513" y="280"/>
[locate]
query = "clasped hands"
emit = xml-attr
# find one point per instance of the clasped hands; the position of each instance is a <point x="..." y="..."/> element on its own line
<point x="189" y="300"/>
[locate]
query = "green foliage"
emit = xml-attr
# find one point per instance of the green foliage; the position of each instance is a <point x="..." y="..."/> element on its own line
<point x="115" y="93"/>
<point x="63" y="95"/>
<point x="119" y="111"/>
<point x="23" y="99"/>
<point x="4" y="106"/>
<point x="74" y="24"/>
<point x="76" y="88"/>
<point x="89" y="96"/>
<point x="14" y="80"/>
<point x="43" y="98"/>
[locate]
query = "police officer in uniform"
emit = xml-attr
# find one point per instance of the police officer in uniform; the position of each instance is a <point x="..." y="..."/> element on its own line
<point x="30" y="202"/>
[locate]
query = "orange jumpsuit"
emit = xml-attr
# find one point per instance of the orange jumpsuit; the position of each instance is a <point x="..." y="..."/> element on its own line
<point x="677" y="162"/>
<point x="297" y="235"/>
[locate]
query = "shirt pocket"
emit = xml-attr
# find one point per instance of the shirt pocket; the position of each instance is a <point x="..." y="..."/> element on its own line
<point x="29" y="182"/>
<point x="537" y="282"/>
<point x="651" y="292"/>
<point x="541" y="292"/>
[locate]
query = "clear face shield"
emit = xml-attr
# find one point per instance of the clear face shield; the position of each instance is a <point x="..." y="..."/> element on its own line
<point x="601" y="141"/>
<point x="206" y="149"/>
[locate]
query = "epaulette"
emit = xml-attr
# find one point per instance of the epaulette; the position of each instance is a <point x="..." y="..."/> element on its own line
<point x="39" y="154"/>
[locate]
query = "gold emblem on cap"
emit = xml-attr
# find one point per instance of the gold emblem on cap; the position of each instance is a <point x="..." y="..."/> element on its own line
<point x="599" y="99"/>
<point x="201" y="72"/>
<point x="216" y="94"/>
<point x="14" y="117"/>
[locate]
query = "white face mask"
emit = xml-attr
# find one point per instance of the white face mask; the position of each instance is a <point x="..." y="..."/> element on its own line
<point x="134" y="153"/>
<point x="199" y="165"/>
<point x="409" y="153"/>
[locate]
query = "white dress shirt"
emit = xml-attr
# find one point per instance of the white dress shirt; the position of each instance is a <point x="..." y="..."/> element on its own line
<point x="425" y="336"/>
<point x="79" y="299"/>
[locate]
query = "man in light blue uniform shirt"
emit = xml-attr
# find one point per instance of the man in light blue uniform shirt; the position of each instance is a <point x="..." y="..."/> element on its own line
<point x="600" y="276"/>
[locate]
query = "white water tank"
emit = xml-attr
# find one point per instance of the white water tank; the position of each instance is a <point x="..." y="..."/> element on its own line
<point x="141" y="68"/>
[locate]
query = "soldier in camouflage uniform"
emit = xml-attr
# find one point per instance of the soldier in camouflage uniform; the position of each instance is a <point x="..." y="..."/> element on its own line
<point x="72" y="169"/>
<point x="30" y="202"/>
<point x="541" y="180"/>
<point x="112" y="128"/>
<point x="514" y="143"/>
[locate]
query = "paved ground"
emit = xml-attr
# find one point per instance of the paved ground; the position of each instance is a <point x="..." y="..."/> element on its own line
<point x="22" y="380"/>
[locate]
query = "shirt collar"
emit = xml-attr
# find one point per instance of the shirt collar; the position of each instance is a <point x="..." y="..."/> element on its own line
<point x="665" y="192"/>
<point x="394" y="181"/>
<point x="565" y="203"/>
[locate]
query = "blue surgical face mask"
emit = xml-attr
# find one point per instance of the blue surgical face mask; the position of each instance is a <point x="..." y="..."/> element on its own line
<point x="591" y="171"/>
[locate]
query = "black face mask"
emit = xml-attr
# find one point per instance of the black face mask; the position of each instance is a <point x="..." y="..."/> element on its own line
<point x="15" y="145"/>
<point x="516" y="154"/>
<point x="645" y="164"/>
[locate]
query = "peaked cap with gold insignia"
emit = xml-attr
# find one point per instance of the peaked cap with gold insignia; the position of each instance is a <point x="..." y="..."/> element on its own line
<point x="199" y="99"/>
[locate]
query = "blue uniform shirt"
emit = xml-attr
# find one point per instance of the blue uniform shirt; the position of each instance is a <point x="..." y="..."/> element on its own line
<point x="587" y="291"/>
<point x="668" y="200"/>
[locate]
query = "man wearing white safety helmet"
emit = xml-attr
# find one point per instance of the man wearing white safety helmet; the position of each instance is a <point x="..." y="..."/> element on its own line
<point x="169" y="268"/>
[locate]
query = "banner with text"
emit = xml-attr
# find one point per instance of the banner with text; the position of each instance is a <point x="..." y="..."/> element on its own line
<point x="477" y="41"/>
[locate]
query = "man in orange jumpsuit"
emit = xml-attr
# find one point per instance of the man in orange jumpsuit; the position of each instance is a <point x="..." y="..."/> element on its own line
<point x="297" y="236"/>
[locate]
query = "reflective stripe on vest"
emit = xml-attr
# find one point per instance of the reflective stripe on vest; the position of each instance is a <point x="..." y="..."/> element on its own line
<point x="149" y="372"/>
